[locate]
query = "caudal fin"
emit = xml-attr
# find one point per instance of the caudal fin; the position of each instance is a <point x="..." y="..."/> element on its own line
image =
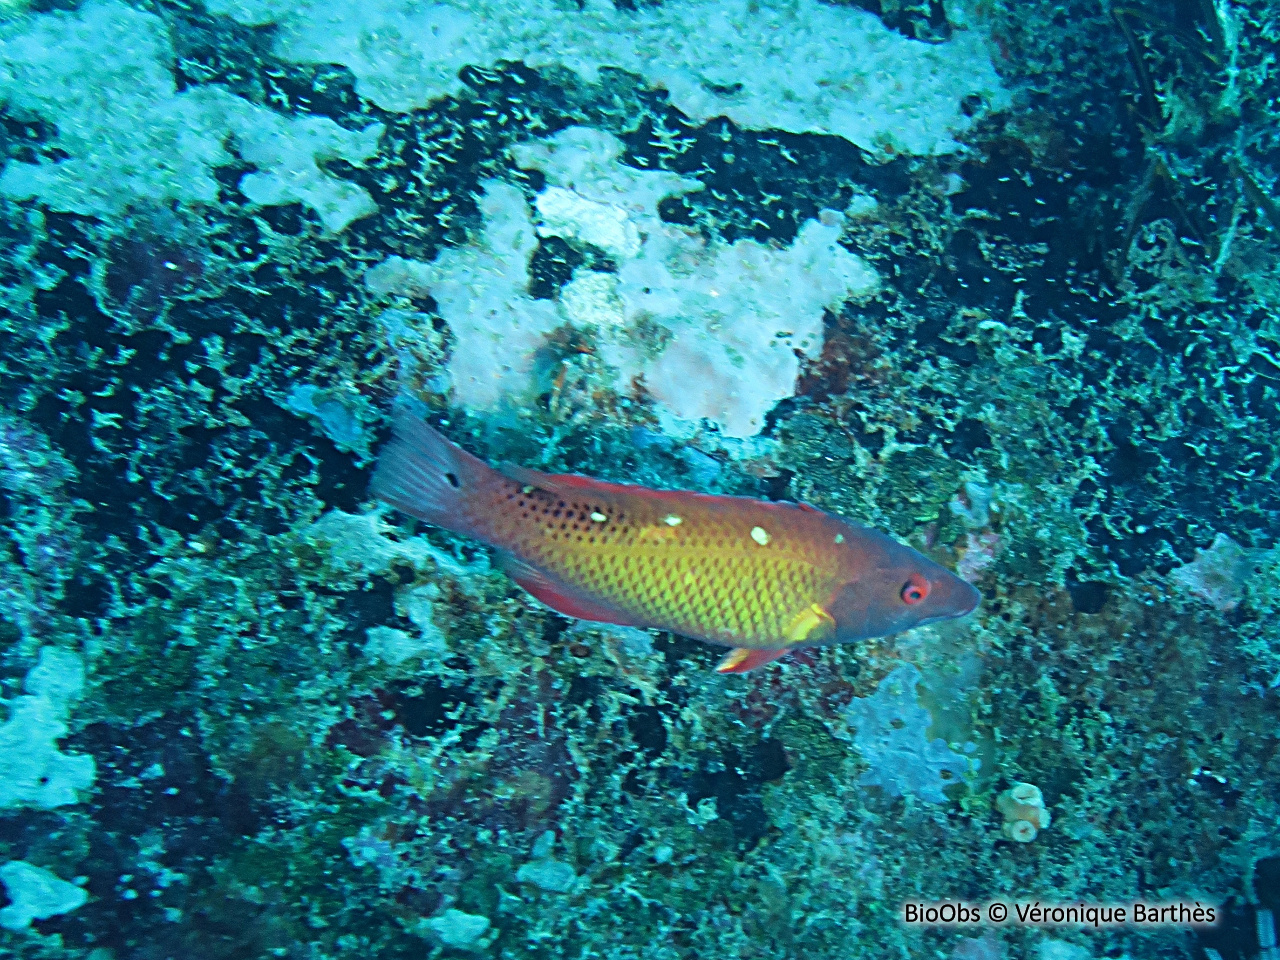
<point x="428" y="477"/>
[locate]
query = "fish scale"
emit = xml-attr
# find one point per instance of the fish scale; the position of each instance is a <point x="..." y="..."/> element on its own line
<point x="704" y="575"/>
<point x="758" y="576"/>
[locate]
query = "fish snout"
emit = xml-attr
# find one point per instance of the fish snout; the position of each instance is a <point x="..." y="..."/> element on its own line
<point x="950" y="597"/>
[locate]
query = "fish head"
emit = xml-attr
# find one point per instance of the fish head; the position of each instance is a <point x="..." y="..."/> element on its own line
<point x="894" y="588"/>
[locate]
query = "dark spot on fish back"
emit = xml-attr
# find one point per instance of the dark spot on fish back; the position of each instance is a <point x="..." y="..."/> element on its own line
<point x="453" y="479"/>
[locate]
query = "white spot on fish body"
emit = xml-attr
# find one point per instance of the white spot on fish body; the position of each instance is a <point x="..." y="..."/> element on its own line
<point x="839" y="538"/>
<point x="760" y="535"/>
<point x="671" y="520"/>
<point x="598" y="517"/>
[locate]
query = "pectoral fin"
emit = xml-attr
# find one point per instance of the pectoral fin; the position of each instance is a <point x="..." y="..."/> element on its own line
<point x="740" y="659"/>
<point x="811" y="625"/>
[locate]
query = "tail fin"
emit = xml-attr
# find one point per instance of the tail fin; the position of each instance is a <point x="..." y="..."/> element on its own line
<point x="428" y="477"/>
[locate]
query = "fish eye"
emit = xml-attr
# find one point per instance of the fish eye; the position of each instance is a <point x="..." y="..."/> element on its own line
<point x="915" y="590"/>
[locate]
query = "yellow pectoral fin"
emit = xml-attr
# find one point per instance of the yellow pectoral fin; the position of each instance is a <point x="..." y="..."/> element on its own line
<point x="810" y="625"/>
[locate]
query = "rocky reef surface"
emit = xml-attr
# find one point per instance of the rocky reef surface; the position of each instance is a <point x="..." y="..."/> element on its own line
<point x="250" y="713"/>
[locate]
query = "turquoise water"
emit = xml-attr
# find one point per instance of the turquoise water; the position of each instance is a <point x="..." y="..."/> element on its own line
<point x="997" y="279"/>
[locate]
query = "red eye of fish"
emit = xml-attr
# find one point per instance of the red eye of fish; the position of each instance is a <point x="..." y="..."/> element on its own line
<point x="915" y="590"/>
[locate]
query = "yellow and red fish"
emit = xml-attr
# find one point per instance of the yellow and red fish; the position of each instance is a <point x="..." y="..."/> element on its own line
<point x="760" y="577"/>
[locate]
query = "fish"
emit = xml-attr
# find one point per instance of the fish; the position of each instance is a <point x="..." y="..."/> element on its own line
<point x="760" y="577"/>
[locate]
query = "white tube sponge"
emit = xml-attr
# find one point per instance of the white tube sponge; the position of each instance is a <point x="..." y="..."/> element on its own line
<point x="1022" y="807"/>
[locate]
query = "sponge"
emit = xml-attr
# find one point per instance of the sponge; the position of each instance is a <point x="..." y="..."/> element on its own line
<point x="33" y="772"/>
<point x="891" y="736"/>
<point x="710" y="331"/>
<point x="103" y="77"/>
<point x="36" y="893"/>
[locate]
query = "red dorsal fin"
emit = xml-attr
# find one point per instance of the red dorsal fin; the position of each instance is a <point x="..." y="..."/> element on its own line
<point x="740" y="659"/>
<point x="560" y="598"/>
<point x="568" y="484"/>
<point x="563" y="482"/>
<point x="574" y="484"/>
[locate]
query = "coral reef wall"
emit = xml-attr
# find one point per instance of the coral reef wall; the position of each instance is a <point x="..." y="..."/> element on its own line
<point x="1001" y="279"/>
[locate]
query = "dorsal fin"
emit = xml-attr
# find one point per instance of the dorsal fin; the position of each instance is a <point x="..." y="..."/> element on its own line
<point x="568" y="484"/>
<point x="571" y="483"/>
<point x="562" y="482"/>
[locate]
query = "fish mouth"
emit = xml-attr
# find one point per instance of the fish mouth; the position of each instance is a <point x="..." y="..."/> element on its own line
<point x="961" y="600"/>
<point x="967" y="599"/>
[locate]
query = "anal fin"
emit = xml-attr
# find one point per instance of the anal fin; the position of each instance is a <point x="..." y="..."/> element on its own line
<point x="561" y="598"/>
<point x="740" y="659"/>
